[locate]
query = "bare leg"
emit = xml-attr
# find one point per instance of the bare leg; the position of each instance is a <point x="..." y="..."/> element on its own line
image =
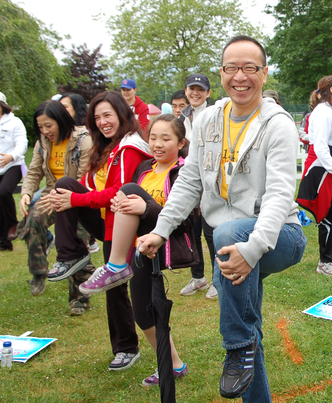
<point x="124" y="231"/>
<point x="150" y="334"/>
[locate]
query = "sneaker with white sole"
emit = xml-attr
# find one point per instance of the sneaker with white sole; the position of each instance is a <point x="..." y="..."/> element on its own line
<point x="62" y="270"/>
<point x="324" y="268"/>
<point x="104" y="279"/>
<point x="153" y="380"/>
<point x="94" y="247"/>
<point x="123" y="361"/>
<point x="50" y="245"/>
<point x="212" y="292"/>
<point x="194" y="285"/>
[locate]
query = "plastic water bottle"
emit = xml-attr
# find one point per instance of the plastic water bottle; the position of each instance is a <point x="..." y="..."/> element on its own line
<point x="7" y="354"/>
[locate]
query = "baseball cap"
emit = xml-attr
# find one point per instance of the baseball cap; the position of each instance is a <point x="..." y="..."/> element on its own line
<point x="271" y="94"/>
<point x="128" y="83"/>
<point x="3" y="97"/>
<point x="198" y="79"/>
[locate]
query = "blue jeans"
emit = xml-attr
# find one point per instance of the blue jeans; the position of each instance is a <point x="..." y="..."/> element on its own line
<point x="241" y="305"/>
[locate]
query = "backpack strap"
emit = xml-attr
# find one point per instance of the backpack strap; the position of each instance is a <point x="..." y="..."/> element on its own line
<point x="77" y="150"/>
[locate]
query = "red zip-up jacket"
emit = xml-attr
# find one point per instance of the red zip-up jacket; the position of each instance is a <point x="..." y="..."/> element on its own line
<point x="141" y="111"/>
<point x="122" y="163"/>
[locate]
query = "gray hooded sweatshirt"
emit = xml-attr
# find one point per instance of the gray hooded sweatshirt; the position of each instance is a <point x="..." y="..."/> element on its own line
<point x="262" y="185"/>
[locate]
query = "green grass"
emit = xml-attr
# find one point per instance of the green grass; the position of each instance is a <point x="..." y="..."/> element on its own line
<point x="74" y="368"/>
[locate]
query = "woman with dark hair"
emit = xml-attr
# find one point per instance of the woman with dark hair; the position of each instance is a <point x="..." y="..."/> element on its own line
<point x="76" y="107"/>
<point x="315" y="192"/>
<point x="13" y="145"/>
<point x="55" y="155"/>
<point x="118" y="148"/>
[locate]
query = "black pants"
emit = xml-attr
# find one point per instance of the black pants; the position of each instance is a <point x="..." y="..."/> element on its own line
<point x="198" y="270"/>
<point x="141" y="283"/>
<point x="325" y="238"/>
<point x="121" y="322"/>
<point x="8" y="182"/>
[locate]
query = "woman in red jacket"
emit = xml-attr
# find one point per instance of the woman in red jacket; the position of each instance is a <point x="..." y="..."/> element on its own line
<point x="118" y="149"/>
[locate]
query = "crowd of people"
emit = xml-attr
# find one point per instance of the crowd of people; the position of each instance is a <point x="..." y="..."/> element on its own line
<point x="115" y="176"/>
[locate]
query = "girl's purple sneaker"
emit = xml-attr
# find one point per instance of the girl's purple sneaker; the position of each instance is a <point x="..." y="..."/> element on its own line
<point x="104" y="279"/>
<point x="153" y="380"/>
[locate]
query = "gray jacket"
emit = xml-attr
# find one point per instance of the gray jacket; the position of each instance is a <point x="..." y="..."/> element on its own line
<point x="262" y="185"/>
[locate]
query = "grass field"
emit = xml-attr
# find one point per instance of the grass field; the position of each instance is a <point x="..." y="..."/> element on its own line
<point x="74" y="368"/>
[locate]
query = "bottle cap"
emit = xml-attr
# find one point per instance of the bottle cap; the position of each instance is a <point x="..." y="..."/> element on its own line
<point x="7" y="344"/>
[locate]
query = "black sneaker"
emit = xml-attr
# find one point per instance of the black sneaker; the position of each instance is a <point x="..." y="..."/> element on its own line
<point x="123" y="361"/>
<point x="6" y="246"/>
<point x="238" y="371"/>
<point x="62" y="270"/>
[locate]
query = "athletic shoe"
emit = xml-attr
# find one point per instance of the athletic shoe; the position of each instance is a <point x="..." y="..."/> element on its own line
<point x="123" y="361"/>
<point x="62" y="270"/>
<point x="153" y="380"/>
<point x="12" y="233"/>
<point x="94" y="247"/>
<point x="212" y="292"/>
<point x="50" y="245"/>
<point x="104" y="279"/>
<point x="6" y="246"/>
<point x="37" y="285"/>
<point x="324" y="268"/>
<point x="194" y="285"/>
<point x="238" y="371"/>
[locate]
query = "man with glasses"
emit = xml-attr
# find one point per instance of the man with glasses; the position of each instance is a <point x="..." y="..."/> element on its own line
<point x="242" y="161"/>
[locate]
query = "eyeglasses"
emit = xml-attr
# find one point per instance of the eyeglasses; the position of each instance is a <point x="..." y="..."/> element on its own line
<point x="250" y="69"/>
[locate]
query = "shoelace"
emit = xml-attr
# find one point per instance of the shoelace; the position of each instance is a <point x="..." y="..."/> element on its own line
<point x="99" y="275"/>
<point x="240" y="361"/>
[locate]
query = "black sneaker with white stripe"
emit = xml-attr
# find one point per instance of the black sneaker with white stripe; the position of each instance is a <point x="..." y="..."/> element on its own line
<point x="238" y="371"/>
<point x="123" y="361"/>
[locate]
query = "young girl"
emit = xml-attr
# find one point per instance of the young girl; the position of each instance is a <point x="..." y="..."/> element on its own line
<point x="315" y="193"/>
<point x="118" y="149"/>
<point x="137" y="207"/>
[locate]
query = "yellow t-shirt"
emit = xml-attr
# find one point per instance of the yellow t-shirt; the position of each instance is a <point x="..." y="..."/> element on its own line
<point x="100" y="181"/>
<point x="234" y="129"/>
<point x="57" y="159"/>
<point x="154" y="184"/>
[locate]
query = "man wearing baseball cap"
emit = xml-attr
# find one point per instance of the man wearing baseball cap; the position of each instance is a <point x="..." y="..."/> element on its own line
<point x="139" y="108"/>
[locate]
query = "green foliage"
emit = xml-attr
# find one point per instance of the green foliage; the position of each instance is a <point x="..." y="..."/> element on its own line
<point x="159" y="44"/>
<point x="27" y="63"/>
<point x="84" y="72"/>
<point x="301" y="47"/>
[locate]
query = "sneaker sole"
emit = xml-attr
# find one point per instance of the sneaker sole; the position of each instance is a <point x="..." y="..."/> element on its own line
<point x="77" y="267"/>
<point x="211" y="297"/>
<point x="204" y="287"/>
<point x="149" y="385"/>
<point x="50" y="246"/>
<point x="130" y="364"/>
<point x="107" y="287"/>
<point x="321" y="271"/>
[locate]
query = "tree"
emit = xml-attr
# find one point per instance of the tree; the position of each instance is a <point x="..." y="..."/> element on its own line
<point x="301" y="47"/>
<point x="161" y="43"/>
<point x="85" y="72"/>
<point x="28" y="66"/>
